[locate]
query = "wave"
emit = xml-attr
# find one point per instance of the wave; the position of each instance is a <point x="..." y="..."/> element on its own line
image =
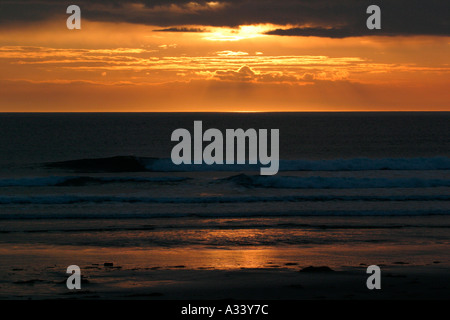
<point x="142" y="164"/>
<point x="332" y="182"/>
<point x="111" y="164"/>
<point x="71" y="199"/>
<point x="240" y="214"/>
<point x="81" y="181"/>
<point x="241" y="224"/>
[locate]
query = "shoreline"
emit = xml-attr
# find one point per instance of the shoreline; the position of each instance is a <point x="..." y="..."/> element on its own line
<point x="39" y="273"/>
<point x="178" y="283"/>
<point x="240" y="259"/>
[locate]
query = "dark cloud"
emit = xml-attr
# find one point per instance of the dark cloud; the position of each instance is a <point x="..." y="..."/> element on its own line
<point x="320" y="32"/>
<point x="174" y="29"/>
<point x="324" y="18"/>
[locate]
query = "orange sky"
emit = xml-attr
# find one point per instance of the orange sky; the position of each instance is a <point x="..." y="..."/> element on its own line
<point x="109" y="66"/>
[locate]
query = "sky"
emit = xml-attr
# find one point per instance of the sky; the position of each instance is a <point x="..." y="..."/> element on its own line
<point x="226" y="56"/>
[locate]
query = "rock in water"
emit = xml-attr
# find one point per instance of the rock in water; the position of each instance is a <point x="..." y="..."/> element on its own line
<point x="322" y="269"/>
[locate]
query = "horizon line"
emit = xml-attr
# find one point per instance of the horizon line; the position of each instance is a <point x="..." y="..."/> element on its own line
<point x="241" y="111"/>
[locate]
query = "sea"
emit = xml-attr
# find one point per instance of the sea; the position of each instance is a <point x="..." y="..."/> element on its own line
<point x="352" y="180"/>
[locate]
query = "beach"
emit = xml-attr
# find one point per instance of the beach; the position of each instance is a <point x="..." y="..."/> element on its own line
<point x="43" y="280"/>
<point x="99" y="191"/>
<point x="409" y="270"/>
<point x="224" y="158"/>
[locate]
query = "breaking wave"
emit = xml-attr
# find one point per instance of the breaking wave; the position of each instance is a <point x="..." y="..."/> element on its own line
<point x="142" y="164"/>
<point x="333" y="182"/>
<point x="240" y="214"/>
<point x="71" y="199"/>
<point x="81" y="181"/>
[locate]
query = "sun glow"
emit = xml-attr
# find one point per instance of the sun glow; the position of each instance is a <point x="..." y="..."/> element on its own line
<point x="236" y="34"/>
<point x="248" y="111"/>
<point x="237" y="69"/>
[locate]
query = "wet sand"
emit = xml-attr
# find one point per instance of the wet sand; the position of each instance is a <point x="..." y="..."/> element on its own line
<point x="39" y="273"/>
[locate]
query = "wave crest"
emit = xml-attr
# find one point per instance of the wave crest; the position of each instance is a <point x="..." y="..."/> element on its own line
<point x="333" y="182"/>
<point x="142" y="164"/>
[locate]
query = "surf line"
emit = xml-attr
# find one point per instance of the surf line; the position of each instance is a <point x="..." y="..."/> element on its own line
<point x="213" y="153"/>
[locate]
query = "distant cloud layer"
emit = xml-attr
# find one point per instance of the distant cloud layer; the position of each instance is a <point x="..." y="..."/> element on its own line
<point x="322" y="18"/>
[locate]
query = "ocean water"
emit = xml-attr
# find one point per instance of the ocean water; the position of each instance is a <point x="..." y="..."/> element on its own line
<point x="107" y="180"/>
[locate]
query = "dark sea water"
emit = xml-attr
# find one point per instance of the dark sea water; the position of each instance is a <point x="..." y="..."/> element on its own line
<point x="107" y="180"/>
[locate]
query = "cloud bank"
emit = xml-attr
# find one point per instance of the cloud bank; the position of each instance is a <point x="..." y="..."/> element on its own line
<point x="321" y="18"/>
